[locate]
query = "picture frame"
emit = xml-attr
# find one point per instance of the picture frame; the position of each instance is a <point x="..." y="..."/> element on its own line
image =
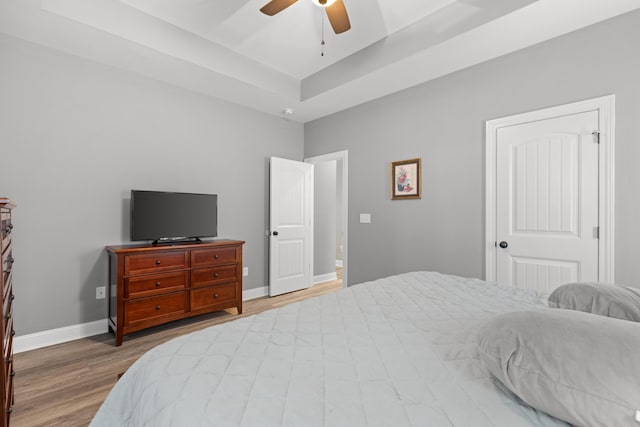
<point x="406" y="179"/>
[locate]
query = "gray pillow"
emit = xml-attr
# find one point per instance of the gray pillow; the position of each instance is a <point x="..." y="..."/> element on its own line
<point x="598" y="298"/>
<point x="577" y="367"/>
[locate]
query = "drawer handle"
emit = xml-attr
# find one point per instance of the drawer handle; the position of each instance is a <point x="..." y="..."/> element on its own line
<point x="157" y="283"/>
<point x="157" y="262"/>
<point x="157" y="307"/>
<point x="10" y="410"/>
<point x="215" y="275"/>
<point x="7" y="316"/>
<point x="13" y="333"/>
<point x="8" y="360"/>
<point x="12" y="297"/>
<point x="216" y="256"/>
<point x="215" y="295"/>
<point x="13" y="373"/>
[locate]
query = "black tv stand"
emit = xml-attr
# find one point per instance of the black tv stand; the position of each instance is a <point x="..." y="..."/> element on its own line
<point x="185" y="240"/>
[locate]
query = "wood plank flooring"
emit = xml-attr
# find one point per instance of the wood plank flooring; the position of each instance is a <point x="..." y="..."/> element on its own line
<point x="65" y="384"/>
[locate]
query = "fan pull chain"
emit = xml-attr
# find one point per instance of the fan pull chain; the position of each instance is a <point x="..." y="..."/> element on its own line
<point x="322" y="42"/>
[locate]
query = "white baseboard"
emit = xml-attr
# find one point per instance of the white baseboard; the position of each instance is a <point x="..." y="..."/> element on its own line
<point x="36" y="340"/>
<point x="338" y="263"/>
<point x="325" y="278"/>
<point x="255" y="293"/>
<point x="42" y="339"/>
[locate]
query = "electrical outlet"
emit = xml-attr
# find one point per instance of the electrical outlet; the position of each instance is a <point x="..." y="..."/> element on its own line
<point x="245" y="271"/>
<point x="101" y="292"/>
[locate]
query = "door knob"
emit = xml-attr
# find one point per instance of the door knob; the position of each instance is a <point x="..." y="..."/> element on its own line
<point x="275" y="233"/>
<point x="503" y="244"/>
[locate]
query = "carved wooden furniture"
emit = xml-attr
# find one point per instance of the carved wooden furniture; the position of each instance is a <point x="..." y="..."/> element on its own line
<point x="6" y="328"/>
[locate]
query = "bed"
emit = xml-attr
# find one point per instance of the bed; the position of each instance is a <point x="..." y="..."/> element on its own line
<point x="398" y="351"/>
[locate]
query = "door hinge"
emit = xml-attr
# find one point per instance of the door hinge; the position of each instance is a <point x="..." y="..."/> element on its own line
<point x="596" y="232"/>
<point x="596" y="136"/>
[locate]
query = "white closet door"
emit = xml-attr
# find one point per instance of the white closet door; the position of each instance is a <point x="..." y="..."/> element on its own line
<point x="547" y="202"/>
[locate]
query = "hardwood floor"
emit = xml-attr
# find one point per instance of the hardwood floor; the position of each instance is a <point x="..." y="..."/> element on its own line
<point x="65" y="384"/>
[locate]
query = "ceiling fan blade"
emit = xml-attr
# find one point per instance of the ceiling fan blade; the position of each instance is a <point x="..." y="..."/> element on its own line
<point x="338" y="17"/>
<point x="275" y="6"/>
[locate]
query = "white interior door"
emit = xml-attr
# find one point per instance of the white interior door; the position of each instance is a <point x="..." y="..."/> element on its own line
<point x="291" y="226"/>
<point x="547" y="202"/>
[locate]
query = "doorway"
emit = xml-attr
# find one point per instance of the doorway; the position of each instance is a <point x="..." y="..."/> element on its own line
<point x="334" y="236"/>
<point x="549" y="200"/>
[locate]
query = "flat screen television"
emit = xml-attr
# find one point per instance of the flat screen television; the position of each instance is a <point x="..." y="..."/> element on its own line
<point x="169" y="217"/>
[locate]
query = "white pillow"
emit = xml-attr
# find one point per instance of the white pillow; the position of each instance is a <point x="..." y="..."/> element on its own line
<point x="598" y="298"/>
<point x="578" y="367"/>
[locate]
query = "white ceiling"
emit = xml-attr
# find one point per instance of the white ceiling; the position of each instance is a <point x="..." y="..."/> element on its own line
<point x="289" y="41"/>
<point x="229" y="50"/>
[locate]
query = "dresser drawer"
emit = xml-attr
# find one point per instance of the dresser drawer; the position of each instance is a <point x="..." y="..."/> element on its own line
<point x="6" y="241"/>
<point x="213" y="257"/>
<point x="9" y="373"/>
<point x="6" y="282"/>
<point x="7" y="345"/>
<point x="155" y="262"/>
<point x="213" y="296"/>
<point x="7" y="303"/>
<point x="7" y="260"/>
<point x="8" y="403"/>
<point x="6" y="228"/>
<point x="155" y="284"/>
<point x="144" y="309"/>
<point x="212" y="276"/>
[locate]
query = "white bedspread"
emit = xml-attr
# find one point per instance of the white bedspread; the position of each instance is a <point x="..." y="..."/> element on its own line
<point x="398" y="351"/>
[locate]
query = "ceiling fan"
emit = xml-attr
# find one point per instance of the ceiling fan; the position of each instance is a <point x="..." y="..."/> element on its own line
<point x="336" y="12"/>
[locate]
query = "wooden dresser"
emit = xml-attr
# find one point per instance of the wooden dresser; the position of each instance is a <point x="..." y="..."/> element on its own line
<point x="152" y="285"/>
<point x="6" y="329"/>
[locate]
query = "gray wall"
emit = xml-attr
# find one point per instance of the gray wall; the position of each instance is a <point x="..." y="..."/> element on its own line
<point x="443" y="123"/>
<point x="324" y="221"/>
<point x="77" y="136"/>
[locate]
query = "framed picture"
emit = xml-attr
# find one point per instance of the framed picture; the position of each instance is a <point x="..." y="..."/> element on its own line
<point x="406" y="179"/>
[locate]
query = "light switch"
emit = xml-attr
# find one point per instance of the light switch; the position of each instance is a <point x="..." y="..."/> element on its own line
<point x="365" y="218"/>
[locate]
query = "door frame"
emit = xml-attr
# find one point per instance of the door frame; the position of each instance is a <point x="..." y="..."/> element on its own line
<point x="344" y="157"/>
<point x="605" y="106"/>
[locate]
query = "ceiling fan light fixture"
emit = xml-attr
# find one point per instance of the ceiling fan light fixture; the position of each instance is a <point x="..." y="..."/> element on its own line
<point x="323" y="3"/>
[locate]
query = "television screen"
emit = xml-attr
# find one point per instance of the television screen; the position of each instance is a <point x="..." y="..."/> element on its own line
<point x="157" y="215"/>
